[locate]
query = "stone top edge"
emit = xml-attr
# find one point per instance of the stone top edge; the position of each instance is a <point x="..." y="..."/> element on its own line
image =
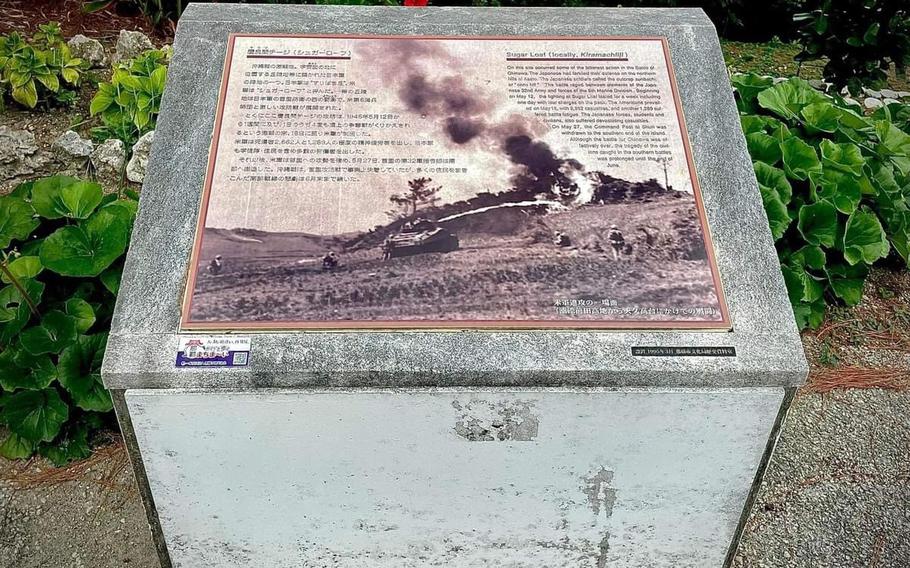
<point x="438" y="15"/>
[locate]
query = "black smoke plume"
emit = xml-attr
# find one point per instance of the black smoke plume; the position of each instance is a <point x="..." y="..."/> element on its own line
<point x="450" y="100"/>
<point x="464" y="115"/>
<point x="541" y="170"/>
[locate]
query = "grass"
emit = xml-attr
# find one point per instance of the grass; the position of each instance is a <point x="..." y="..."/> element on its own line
<point x="774" y="58"/>
<point x="778" y="59"/>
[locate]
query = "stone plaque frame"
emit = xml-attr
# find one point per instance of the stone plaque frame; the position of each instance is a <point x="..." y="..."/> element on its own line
<point x="196" y="263"/>
<point x="146" y="329"/>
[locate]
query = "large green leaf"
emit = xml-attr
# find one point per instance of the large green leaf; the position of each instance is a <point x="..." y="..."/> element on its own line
<point x="35" y="415"/>
<point x="810" y="256"/>
<point x="72" y="445"/>
<point x="847" y="281"/>
<point x="774" y="178"/>
<point x="62" y="196"/>
<point x="800" y="159"/>
<point x="123" y="209"/>
<point x="821" y="117"/>
<point x="22" y="268"/>
<point x="845" y="158"/>
<point x="26" y="94"/>
<point x="841" y="189"/>
<point x="763" y="148"/>
<point x="802" y="286"/>
<point x="894" y="140"/>
<point x="749" y="86"/>
<point x="22" y="370"/>
<point x="898" y="223"/>
<point x="80" y="372"/>
<point x="17" y="220"/>
<point x="56" y="332"/>
<point x="752" y="123"/>
<point x="83" y="313"/>
<point x="46" y="195"/>
<point x="809" y="314"/>
<point x="895" y="145"/>
<point x="864" y="238"/>
<point x="15" y="447"/>
<point x="818" y="224"/>
<point x="15" y="312"/>
<point x="91" y="246"/>
<point x="111" y="278"/>
<point x="787" y="99"/>
<point x="778" y="219"/>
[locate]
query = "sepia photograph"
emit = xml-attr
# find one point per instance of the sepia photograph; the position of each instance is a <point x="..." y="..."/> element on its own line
<point x="439" y="183"/>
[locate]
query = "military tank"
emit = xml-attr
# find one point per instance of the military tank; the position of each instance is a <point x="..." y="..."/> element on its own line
<point x="420" y="236"/>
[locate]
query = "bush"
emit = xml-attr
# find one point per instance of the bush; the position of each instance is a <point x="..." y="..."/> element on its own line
<point x="130" y="102"/>
<point x="33" y="71"/>
<point x="835" y="185"/>
<point x="62" y="244"/>
<point x="859" y="38"/>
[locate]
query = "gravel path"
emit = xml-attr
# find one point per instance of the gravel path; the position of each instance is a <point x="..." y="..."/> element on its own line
<point x="94" y="521"/>
<point x="836" y="495"/>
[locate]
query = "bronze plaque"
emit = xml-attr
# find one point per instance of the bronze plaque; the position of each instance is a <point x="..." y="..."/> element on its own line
<point x="451" y="182"/>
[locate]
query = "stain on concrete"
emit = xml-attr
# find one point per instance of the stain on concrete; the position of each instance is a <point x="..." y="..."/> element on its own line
<point x="596" y="487"/>
<point x="601" y="497"/>
<point x="186" y="552"/>
<point x="496" y="421"/>
<point x="604" y="551"/>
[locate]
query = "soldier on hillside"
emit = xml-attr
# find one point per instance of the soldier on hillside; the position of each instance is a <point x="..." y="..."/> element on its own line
<point x="617" y="241"/>
<point x="214" y="268"/>
<point x="329" y="261"/>
<point x="388" y="245"/>
<point x="561" y="239"/>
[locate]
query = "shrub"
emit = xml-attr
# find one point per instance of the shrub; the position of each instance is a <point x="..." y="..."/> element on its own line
<point x="835" y="185"/>
<point x="130" y="102"/>
<point x="33" y="71"/>
<point x="859" y="38"/>
<point x="62" y="244"/>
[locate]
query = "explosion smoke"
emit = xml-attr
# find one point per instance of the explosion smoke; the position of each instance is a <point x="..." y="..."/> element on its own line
<point x="466" y="115"/>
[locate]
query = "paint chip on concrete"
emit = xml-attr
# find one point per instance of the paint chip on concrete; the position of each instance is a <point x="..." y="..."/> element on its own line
<point x="486" y="421"/>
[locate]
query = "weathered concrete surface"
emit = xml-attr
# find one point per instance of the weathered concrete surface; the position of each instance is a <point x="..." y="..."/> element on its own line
<point x="523" y="478"/>
<point x="812" y="511"/>
<point x="143" y="340"/>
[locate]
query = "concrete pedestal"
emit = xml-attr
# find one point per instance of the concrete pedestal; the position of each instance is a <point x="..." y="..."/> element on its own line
<point x="451" y="448"/>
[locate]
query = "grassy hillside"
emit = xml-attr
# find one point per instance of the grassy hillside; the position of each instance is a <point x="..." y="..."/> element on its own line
<point x="507" y="268"/>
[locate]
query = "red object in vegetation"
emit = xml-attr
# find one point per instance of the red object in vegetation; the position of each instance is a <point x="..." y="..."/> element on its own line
<point x="416" y="2"/>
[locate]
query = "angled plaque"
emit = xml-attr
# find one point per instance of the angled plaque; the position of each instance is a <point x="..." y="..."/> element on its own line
<point x="445" y="182"/>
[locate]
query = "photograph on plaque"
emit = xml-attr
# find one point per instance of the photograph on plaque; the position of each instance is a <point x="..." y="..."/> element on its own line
<point x="446" y="182"/>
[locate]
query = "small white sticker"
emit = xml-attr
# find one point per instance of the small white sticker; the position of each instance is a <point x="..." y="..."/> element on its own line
<point x="213" y="351"/>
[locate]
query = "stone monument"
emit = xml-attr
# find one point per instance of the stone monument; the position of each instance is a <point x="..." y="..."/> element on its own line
<point x="456" y="286"/>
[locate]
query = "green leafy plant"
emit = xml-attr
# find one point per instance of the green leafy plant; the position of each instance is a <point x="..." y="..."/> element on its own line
<point x="859" y="38"/>
<point x="130" y="102"/>
<point x="835" y="185"/>
<point x="33" y="71"/>
<point x="62" y="245"/>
